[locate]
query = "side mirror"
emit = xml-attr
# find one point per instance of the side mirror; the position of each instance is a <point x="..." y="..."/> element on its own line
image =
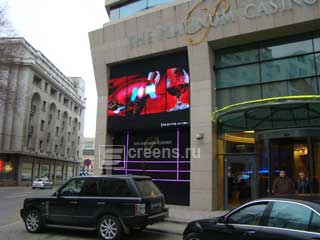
<point x="221" y="219"/>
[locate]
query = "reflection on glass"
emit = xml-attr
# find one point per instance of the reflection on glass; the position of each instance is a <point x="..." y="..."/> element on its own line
<point x="243" y="75"/>
<point x="316" y="163"/>
<point x="276" y="89"/>
<point x="317" y="43"/>
<point x="318" y="63"/>
<point x="114" y="14"/>
<point x="286" y="50"/>
<point x="154" y="3"/>
<point x="234" y="57"/>
<point x="132" y="8"/>
<point x="302" y="86"/>
<point x="296" y="67"/>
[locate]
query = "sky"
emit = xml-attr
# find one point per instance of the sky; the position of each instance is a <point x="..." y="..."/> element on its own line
<point x="59" y="29"/>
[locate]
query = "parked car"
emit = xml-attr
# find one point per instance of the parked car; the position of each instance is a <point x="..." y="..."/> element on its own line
<point x="41" y="183"/>
<point x="112" y="205"/>
<point x="291" y="218"/>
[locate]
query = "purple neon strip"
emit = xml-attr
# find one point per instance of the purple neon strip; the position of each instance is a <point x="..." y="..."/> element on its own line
<point x="169" y="180"/>
<point x="178" y="144"/>
<point x="143" y="162"/>
<point x="127" y="149"/>
<point x="142" y="170"/>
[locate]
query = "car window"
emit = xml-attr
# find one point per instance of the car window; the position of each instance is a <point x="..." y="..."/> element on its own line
<point x="115" y="188"/>
<point x="147" y="188"/>
<point x="250" y="215"/>
<point x="90" y="188"/>
<point x="289" y="215"/>
<point x="72" y="188"/>
<point x="315" y="223"/>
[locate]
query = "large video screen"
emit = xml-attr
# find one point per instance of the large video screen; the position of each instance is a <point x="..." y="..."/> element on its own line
<point x="149" y="94"/>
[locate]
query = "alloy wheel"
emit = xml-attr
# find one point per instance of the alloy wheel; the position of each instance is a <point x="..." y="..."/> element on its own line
<point x="108" y="228"/>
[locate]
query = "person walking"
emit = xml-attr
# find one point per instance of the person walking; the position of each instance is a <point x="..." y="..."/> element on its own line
<point x="283" y="184"/>
<point x="303" y="184"/>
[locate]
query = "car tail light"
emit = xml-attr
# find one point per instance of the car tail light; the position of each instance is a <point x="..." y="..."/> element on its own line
<point x="139" y="209"/>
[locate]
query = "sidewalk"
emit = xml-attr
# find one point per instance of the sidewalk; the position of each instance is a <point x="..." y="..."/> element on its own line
<point x="179" y="217"/>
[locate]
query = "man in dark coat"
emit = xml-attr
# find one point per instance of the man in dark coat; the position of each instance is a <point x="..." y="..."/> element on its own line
<point x="283" y="185"/>
<point x="303" y="184"/>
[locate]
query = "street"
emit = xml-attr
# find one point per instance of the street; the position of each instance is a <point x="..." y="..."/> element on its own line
<point x="12" y="226"/>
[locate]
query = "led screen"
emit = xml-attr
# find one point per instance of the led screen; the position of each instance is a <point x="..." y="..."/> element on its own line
<point x="152" y="93"/>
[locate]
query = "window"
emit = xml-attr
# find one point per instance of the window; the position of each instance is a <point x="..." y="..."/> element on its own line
<point x="66" y="102"/>
<point x="318" y="63"/>
<point x="237" y="76"/>
<point x="69" y="136"/>
<point x="132" y="8"/>
<point x="40" y="144"/>
<point x="147" y="188"/>
<point x="44" y="106"/>
<point x="154" y="3"/>
<point x="42" y="125"/>
<point x="60" y="97"/>
<point x="72" y="188"/>
<point x="53" y="92"/>
<point x="289" y="68"/>
<point x="37" y="81"/>
<point x="285" y="49"/>
<point x="317" y="42"/>
<point x="289" y="215"/>
<point x="232" y="57"/>
<point x="251" y="215"/>
<point x="115" y="188"/>
<point x="57" y="131"/>
<point x="56" y="148"/>
<point x="315" y="223"/>
<point x="58" y="114"/>
<point x="46" y="87"/>
<point x="70" y="121"/>
<point x="114" y="14"/>
<point x="90" y="188"/>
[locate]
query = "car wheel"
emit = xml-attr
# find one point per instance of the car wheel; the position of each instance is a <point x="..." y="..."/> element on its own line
<point x="109" y="228"/>
<point x="192" y="236"/>
<point x="33" y="221"/>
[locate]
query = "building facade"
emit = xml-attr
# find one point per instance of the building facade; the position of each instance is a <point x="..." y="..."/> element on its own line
<point x="88" y="148"/>
<point x="234" y="82"/>
<point x="41" y="117"/>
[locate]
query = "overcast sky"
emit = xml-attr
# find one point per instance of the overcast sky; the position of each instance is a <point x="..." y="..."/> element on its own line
<point x="59" y="29"/>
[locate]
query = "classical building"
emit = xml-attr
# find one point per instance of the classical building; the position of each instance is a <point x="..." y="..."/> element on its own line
<point x="41" y="116"/>
<point x="230" y="87"/>
<point x="88" y="147"/>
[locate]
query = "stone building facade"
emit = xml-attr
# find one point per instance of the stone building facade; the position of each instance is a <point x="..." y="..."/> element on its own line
<point x="41" y="117"/>
<point x="254" y="90"/>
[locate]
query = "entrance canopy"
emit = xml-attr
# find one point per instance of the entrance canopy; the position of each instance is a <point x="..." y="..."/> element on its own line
<point x="270" y="113"/>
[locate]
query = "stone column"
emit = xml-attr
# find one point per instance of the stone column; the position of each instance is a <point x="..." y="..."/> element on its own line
<point x="203" y="187"/>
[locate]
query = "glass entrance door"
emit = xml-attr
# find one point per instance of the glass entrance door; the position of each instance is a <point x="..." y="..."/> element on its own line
<point x="240" y="179"/>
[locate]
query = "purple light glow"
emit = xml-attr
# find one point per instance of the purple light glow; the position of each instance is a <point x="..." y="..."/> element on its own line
<point x="127" y="147"/>
<point x="169" y="180"/>
<point x="151" y="161"/>
<point x="178" y="153"/>
<point x="143" y="170"/>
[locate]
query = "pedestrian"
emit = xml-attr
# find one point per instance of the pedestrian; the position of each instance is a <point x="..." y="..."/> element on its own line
<point x="283" y="184"/>
<point x="303" y="184"/>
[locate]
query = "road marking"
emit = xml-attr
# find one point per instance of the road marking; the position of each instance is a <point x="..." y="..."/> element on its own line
<point x="16" y="196"/>
<point x="10" y="224"/>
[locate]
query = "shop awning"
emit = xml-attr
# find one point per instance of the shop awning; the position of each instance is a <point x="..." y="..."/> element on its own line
<point x="270" y="113"/>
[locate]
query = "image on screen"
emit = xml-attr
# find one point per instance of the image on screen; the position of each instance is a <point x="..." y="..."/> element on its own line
<point x="162" y="93"/>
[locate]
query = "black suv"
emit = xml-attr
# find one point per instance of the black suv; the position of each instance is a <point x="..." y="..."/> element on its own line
<point x="112" y="205"/>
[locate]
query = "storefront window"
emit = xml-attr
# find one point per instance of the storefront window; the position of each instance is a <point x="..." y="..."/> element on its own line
<point x="132" y="8"/>
<point x="233" y="57"/>
<point x="286" y="50"/>
<point x="26" y="174"/>
<point x="44" y="170"/>
<point x="296" y="67"/>
<point x="315" y="178"/>
<point x="59" y="173"/>
<point x="237" y="76"/>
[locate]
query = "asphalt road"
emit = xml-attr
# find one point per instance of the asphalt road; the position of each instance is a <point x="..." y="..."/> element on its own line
<point x="12" y="227"/>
